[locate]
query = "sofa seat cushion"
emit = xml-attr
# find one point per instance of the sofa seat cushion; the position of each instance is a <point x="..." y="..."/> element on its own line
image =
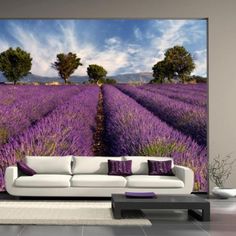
<point x="98" y="181"/>
<point x="147" y="181"/>
<point x="43" y="180"/>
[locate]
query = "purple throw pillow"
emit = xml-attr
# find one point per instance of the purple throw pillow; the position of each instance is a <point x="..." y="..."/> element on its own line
<point x="122" y="168"/>
<point x="160" y="168"/>
<point x="25" y="169"/>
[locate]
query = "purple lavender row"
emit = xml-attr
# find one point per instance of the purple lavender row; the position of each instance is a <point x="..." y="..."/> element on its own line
<point x="179" y="89"/>
<point x="68" y="130"/>
<point x="130" y="129"/>
<point x="197" y="99"/>
<point x="200" y="89"/>
<point x="189" y="119"/>
<point x="12" y="94"/>
<point x="25" y="112"/>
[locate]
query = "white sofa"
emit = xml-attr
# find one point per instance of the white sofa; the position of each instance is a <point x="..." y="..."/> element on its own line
<point x="87" y="177"/>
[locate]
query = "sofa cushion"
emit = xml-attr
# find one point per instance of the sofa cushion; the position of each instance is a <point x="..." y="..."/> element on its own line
<point x="50" y="164"/>
<point x="98" y="181"/>
<point x="159" y="168"/>
<point x="122" y="168"/>
<point x="43" y="180"/>
<point x="25" y="169"/>
<point x="140" y="163"/>
<point x="151" y="181"/>
<point x="91" y="165"/>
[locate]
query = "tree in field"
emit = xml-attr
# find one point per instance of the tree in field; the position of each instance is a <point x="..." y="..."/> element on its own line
<point x="198" y="79"/>
<point x="106" y="81"/>
<point x="95" y="73"/>
<point x="66" y="64"/>
<point x="159" y="72"/>
<point x="15" y="64"/>
<point x="179" y="60"/>
<point x="111" y="81"/>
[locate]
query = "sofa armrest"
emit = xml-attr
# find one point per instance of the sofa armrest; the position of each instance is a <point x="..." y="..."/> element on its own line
<point x="186" y="175"/>
<point x="11" y="174"/>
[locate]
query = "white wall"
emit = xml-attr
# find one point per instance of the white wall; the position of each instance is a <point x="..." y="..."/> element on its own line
<point x="222" y="46"/>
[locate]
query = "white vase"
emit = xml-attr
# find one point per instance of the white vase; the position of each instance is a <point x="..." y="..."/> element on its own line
<point x="224" y="192"/>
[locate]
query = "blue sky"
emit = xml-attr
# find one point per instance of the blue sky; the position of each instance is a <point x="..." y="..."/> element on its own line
<point x="120" y="46"/>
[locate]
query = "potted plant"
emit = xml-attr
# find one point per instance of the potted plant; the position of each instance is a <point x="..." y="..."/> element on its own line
<point x="219" y="171"/>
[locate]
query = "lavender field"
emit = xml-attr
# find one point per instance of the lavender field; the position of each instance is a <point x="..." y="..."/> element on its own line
<point x="149" y="120"/>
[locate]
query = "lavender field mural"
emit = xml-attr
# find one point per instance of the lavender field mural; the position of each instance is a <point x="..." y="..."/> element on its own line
<point x="138" y="88"/>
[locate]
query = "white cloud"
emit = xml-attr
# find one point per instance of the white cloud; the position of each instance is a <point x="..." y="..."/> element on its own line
<point x="3" y="45"/>
<point x="112" y="41"/>
<point x="200" y="57"/>
<point x="42" y="55"/>
<point x="111" y="60"/>
<point x="138" y="33"/>
<point x="69" y="37"/>
<point x="172" y="33"/>
<point x="44" y="51"/>
<point x="116" y="54"/>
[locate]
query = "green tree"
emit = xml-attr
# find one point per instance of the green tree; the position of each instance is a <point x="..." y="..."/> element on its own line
<point x="199" y="79"/>
<point x="111" y="81"/>
<point x="66" y="64"/>
<point x="101" y="81"/>
<point x="15" y="64"/>
<point x="159" y="72"/>
<point x="95" y="73"/>
<point x="179" y="60"/>
<point x="106" y="81"/>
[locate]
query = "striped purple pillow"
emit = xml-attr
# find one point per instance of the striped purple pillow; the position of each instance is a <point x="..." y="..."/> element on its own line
<point x="160" y="168"/>
<point x="122" y="168"/>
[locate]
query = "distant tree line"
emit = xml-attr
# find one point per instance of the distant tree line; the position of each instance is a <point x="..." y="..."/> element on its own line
<point x="178" y="64"/>
<point x="17" y="63"/>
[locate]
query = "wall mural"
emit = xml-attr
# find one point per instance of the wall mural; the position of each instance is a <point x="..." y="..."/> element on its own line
<point x="104" y="87"/>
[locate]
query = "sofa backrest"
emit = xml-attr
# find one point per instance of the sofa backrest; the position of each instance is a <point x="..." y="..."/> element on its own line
<point x="140" y="163"/>
<point x="87" y="164"/>
<point x="50" y="164"/>
<point x="91" y="165"/>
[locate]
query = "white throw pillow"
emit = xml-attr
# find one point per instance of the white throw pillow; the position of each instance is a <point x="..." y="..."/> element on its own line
<point x="140" y="163"/>
<point x="50" y="164"/>
<point x="91" y="164"/>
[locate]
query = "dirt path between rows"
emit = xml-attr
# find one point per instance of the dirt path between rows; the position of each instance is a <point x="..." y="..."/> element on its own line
<point x="99" y="147"/>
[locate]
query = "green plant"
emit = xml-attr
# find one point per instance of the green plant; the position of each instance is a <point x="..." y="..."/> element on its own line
<point x="95" y="73"/>
<point x="220" y="169"/>
<point x="15" y="64"/>
<point x="177" y="61"/>
<point x="110" y="81"/>
<point x="159" y="72"/>
<point x="66" y="65"/>
<point x="199" y="79"/>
